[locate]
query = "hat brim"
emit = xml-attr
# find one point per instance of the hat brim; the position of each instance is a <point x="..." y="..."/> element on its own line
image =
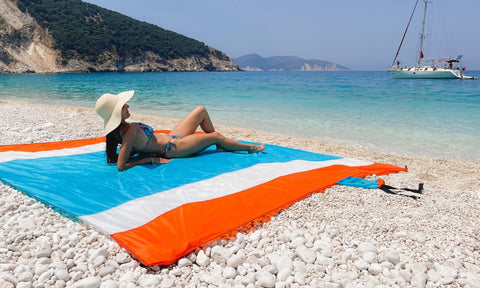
<point x="116" y="117"/>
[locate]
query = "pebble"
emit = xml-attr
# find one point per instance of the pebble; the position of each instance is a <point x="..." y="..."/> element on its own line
<point x="211" y="279"/>
<point x="284" y="273"/>
<point x="98" y="253"/>
<point x="366" y="247"/>
<point x="229" y="273"/>
<point x="184" y="262"/>
<point x="109" y="283"/>
<point x="265" y="279"/>
<point x="446" y="271"/>
<point x="375" y="269"/>
<point x="45" y="276"/>
<point x="307" y="255"/>
<point x="62" y="274"/>
<point x="220" y="254"/>
<point x="361" y="264"/>
<point x="44" y="247"/>
<point x="202" y="259"/>
<point x="90" y="282"/>
<point x="392" y="256"/>
<point x="237" y="259"/>
<point x="26" y="276"/>
<point x="419" y="280"/>
<point x="299" y="278"/>
<point x="369" y="256"/>
<point x="47" y="125"/>
<point x="148" y="281"/>
<point x="106" y="270"/>
<point x="122" y="258"/>
<point x="347" y="237"/>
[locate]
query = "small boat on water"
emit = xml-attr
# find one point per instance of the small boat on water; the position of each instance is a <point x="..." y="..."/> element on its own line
<point x="434" y="68"/>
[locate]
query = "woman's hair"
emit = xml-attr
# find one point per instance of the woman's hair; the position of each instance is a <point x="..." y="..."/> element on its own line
<point x="112" y="141"/>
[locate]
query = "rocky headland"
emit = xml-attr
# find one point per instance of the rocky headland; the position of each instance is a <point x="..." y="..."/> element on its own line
<point x="255" y="62"/>
<point x="28" y="45"/>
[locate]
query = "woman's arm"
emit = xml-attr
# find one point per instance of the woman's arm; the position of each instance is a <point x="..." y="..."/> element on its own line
<point x="143" y="161"/>
<point x="128" y="140"/>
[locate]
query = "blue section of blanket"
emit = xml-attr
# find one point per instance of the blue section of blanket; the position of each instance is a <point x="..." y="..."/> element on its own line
<point x="359" y="182"/>
<point x="84" y="184"/>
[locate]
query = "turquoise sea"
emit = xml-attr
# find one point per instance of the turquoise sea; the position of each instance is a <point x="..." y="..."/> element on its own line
<point x="432" y="118"/>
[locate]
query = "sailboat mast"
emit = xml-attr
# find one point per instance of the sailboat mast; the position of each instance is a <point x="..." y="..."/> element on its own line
<point x="404" y="33"/>
<point x="422" y="35"/>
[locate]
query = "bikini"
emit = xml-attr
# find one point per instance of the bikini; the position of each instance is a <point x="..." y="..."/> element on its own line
<point x="149" y="133"/>
<point x="170" y="144"/>
<point x="146" y="129"/>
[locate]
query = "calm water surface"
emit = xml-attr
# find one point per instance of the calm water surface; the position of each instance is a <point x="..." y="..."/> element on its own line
<point x="433" y="118"/>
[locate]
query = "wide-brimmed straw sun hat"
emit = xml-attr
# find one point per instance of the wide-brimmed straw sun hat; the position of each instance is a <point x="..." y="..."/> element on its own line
<point x="109" y="107"/>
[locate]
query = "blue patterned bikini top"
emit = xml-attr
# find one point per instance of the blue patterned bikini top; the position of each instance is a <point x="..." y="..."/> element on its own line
<point x="146" y="129"/>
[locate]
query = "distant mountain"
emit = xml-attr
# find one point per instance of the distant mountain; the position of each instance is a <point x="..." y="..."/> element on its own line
<point x="255" y="62"/>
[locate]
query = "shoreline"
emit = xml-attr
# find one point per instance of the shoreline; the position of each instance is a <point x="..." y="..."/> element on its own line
<point x="391" y="117"/>
<point x="364" y="237"/>
<point x="319" y="146"/>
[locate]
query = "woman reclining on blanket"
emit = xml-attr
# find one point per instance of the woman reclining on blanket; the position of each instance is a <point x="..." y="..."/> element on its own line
<point x="140" y="138"/>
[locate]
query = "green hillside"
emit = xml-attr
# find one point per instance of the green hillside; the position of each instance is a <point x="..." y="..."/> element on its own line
<point x="86" y="31"/>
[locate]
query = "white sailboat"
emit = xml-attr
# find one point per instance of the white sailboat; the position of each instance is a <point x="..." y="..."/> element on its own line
<point x="434" y="68"/>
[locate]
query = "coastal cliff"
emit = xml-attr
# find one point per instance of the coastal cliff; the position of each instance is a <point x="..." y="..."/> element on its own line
<point x="72" y="36"/>
<point x="24" y="45"/>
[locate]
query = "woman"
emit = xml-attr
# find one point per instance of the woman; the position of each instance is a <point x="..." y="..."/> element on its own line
<point x="139" y="138"/>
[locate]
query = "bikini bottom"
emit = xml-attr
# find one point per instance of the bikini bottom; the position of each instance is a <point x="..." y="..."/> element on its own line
<point x="171" y="144"/>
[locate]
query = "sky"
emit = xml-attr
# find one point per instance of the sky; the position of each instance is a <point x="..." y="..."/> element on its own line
<point x="361" y="35"/>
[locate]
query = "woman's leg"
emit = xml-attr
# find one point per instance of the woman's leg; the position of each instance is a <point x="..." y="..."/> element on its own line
<point x="188" y="125"/>
<point x="195" y="143"/>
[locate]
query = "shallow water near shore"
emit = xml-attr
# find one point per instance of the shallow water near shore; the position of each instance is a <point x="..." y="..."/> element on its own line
<point x="429" y="118"/>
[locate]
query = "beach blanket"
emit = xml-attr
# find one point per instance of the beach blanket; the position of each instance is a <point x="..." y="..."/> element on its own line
<point x="160" y="213"/>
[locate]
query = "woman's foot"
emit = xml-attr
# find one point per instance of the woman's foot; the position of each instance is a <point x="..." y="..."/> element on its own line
<point x="256" y="148"/>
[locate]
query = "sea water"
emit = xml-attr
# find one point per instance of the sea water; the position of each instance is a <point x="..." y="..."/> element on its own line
<point x="430" y="118"/>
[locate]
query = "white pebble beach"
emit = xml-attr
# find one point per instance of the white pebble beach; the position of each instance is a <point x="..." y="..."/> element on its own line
<point x="344" y="237"/>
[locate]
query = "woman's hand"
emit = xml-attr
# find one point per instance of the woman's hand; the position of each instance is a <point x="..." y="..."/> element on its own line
<point x="143" y="161"/>
<point x="160" y="160"/>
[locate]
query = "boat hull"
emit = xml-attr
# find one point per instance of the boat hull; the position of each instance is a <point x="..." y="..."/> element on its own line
<point x="424" y="73"/>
